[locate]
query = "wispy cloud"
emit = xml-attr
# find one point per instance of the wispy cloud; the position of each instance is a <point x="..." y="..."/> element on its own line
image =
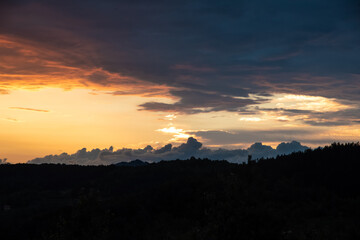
<point x="28" y="64"/>
<point x="10" y="119"/>
<point x="29" y="109"/>
<point x="4" y="91"/>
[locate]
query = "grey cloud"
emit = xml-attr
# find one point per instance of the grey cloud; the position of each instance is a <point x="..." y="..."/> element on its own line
<point x="338" y="118"/>
<point x="191" y="148"/>
<point x="100" y="78"/>
<point x="164" y="149"/>
<point x="311" y="135"/>
<point x="196" y="101"/>
<point x="262" y="46"/>
<point x="147" y="149"/>
<point x="289" y="111"/>
<point x="249" y="136"/>
<point x="328" y="123"/>
<point x="315" y="118"/>
<point x="286" y="148"/>
<point x="258" y="150"/>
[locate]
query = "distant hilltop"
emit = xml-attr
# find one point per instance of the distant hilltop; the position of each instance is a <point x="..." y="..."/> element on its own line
<point x="134" y="163"/>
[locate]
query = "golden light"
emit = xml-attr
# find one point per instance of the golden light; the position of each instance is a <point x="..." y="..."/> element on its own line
<point x="177" y="133"/>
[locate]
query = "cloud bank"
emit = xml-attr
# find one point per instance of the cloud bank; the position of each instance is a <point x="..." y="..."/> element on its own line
<point x="168" y="152"/>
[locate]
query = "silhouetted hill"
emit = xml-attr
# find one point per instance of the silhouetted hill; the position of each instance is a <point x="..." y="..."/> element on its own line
<point x="134" y="163"/>
<point x="306" y="195"/>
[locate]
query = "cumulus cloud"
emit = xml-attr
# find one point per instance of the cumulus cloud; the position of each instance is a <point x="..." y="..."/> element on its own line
<point x="258" y="150"/>
<point x="184" y="151"/>
<point x="286" y="148"/>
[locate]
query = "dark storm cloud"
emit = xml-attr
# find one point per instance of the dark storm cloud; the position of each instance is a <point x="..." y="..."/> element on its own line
<point x="229" y="48"/>
<point x="191" y="148"/>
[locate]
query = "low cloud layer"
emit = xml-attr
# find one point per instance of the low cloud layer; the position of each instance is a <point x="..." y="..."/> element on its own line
<point x="184" y="151"/>
<point x="235" y="137"/>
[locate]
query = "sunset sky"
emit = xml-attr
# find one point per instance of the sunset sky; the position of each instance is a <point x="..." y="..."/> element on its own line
<point x="131" y="73"/>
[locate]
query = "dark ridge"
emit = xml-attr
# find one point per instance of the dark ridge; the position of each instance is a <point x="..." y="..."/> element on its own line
<point x="306" y="195"/>
<point x="134" y="163"/>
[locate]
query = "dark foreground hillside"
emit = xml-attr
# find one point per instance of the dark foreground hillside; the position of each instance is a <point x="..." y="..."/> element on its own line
<point x="311" y="195"/>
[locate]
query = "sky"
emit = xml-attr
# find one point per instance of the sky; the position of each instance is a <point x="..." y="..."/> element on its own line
<point x="134" y="73"/>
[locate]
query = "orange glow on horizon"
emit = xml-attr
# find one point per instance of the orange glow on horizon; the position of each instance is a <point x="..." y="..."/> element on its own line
<point x="52" y="121"/>
<point x="61" y="101"/>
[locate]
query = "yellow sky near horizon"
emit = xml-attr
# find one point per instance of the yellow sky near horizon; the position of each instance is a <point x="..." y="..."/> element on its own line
<point x="72" y="120"/>
<point x="35" y="123"/>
